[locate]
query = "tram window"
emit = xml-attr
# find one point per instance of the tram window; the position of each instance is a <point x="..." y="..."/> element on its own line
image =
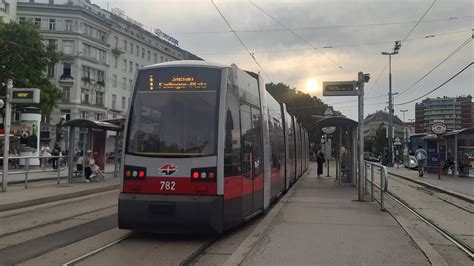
<point x="257" y="142"/>
<point x="232" y="151"/>
<point x="247" y="136"/>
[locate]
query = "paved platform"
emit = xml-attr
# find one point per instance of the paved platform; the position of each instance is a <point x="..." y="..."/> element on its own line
<point x="48" y="191"/>
<point x="463" y="185"/>
<point x="319" y="223"/>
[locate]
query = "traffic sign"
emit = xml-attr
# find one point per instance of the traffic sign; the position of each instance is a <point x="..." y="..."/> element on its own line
<point x="339" y="88"/>
<point x="438" y="128"/>
<point x="329" y="130"/>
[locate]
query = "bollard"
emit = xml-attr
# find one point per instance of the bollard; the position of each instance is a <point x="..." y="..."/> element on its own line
<point x="382" y="185"/>
<point x="372" y="183"/>
<point x="59" y="173"/>
<point x="27" y="168"/>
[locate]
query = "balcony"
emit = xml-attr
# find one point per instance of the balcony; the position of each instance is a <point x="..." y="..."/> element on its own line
<point x="117" y="50"/>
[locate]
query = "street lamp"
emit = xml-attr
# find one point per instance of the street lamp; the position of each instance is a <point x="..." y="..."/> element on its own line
<point x="396" y="48"/>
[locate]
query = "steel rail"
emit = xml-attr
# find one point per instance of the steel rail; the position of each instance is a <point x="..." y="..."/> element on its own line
<point x="461" y="245"/>
<point x="96" y="251"/>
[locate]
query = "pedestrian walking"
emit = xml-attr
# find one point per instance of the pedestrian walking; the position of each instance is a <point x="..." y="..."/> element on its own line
<point x="420" y="155"/>
<point x="56" y="152"/>
<point x="45" y="154"/>
<point x="320" y="160"/>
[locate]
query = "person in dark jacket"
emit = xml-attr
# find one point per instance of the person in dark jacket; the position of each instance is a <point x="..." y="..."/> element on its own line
<point x="320" y="160"/>
<point x="56" y="152"/>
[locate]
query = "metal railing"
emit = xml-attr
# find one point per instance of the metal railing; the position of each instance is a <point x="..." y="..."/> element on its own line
<point x="27" y="168"/>
<point x="383" y="181"/>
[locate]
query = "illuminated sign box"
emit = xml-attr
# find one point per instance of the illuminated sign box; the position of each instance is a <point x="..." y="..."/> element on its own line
<point x="339" y="88"/>
<point x="23" y="95"/>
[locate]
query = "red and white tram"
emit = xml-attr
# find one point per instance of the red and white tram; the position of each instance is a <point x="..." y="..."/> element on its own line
<point x="206" y="148"/>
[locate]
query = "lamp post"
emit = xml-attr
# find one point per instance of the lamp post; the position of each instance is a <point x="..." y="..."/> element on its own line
<point x="405" y="137"/>
<point x="396" y="48"/>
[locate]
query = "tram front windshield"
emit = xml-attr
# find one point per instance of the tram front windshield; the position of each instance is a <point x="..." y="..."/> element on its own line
<point x="174" y="113"/>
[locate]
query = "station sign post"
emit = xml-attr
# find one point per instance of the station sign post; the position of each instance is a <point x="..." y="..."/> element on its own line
<point x="438" y="128"/>
<point x="353" y="88"/>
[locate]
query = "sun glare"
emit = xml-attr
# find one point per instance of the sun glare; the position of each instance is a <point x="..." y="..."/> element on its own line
<point x="311" y="86"/>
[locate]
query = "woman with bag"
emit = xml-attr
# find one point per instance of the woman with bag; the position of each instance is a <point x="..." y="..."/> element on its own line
<point x="320" y="160"/>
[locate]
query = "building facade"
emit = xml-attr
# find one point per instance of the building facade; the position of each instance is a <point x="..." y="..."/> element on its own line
<point x="373" y="121"/>
<point x="102" y="51"/>
<point x="455" y="112"/>
<point x="7" y="10"/>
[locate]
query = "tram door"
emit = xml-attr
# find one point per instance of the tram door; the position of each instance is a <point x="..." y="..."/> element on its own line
<point x="252" y="184"/>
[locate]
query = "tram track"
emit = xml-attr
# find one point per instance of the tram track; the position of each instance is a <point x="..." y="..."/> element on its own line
<point x="460" y="244"/>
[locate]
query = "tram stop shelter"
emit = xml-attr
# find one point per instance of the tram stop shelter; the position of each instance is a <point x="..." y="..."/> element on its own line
<point x="343" y="146"/>
<point x="460" y="149"/>
<point x="92" y="136"/>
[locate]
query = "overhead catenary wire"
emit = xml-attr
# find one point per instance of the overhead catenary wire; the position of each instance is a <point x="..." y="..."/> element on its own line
<point x="297" y="36"/>
<point x="240" y="40"/>
<point x="418" y="22"/>
<point x="438" y="87"/>
<point x="458" y="49"/>
<point x="321" y="27"/>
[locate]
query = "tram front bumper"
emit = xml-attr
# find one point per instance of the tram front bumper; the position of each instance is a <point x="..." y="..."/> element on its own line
<point x="170" y="213"/>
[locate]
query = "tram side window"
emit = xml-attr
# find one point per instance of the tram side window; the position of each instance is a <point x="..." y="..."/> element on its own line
<point x="257" y="142"/>
<point x="247" y="138"/>
<point x="232" y="151"/>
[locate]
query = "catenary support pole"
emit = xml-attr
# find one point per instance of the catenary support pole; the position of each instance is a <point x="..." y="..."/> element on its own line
<point x="361" y="136"/>
<point x="7" y="126"/>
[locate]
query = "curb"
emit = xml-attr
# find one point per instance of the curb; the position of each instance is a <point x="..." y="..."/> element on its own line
<point x="33" y="202"/>
<point x="434" y="187"/>
<point x="239" y="255"/>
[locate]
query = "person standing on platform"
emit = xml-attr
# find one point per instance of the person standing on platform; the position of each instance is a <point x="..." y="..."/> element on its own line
<point x="320" y="160"/>
<point x="420" y="155"/>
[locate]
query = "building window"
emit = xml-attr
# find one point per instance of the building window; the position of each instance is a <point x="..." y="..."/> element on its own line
<point x="66" y="94"/>
<point x="130" y="83"/>
<point x="114" y="101"/>
<point x="6" y="7"/>
<point x="131" y="48"/>
<point x="136" y="67"/>
<point x="161" y="58"/>
<point x="138" y="50"/>
<point x="155" y="58"/>
<point x="123" y="102"/>
<point x="83" y="114"/>
<point x="37" y="22"/>
<point x="68" y="47"/>
<point x="85" y="96"/>
<point x="131" y="67"/>
<point x="115" y="61"/>
<point x="125" y="45"/>
<point x="124" y="83"/>
<point x="66" y="114"/>
<point x="125" y="65"/>
<point x="51" y="71"/>
<point x="114" y="81"/>
<point x="22" y="19"/>
<point x="143" y="52"/>
<point x="116" y="42"/>
<point x="68" y="25"/>
<point x="149" y="55"/>
<point x="66" y="71"/>
<point x="52" y="24"/>
<point x="99" y="98"/>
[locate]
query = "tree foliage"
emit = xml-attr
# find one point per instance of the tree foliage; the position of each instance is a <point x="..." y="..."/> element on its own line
<point x="301" y="105"/>
<point x="25" y="58"/>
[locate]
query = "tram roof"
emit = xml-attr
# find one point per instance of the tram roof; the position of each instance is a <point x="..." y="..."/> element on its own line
<point x="187" y="63"/>
<point x="86" y="123"/>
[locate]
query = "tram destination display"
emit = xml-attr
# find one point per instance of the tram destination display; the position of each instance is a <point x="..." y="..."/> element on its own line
<point x="339" y="88"/>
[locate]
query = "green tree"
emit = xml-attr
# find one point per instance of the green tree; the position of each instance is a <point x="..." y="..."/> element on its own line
<point x="301" y="105"/>
<point x="381" y="140"/>
<point x="25" y="58"/>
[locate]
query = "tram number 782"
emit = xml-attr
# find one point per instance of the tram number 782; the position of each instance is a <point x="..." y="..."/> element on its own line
<point x="167" y="185"/>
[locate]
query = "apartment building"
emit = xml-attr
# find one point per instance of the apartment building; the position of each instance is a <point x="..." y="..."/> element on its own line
<point x="102" y="51"/>
<point x="455" y="112"/>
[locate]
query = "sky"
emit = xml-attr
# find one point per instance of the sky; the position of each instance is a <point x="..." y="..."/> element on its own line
<point x="328" y="40"/>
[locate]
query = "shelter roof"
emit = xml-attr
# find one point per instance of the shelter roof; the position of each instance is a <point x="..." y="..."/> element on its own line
<point x="86" y="123"/>
<point x="459" y="132"/>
